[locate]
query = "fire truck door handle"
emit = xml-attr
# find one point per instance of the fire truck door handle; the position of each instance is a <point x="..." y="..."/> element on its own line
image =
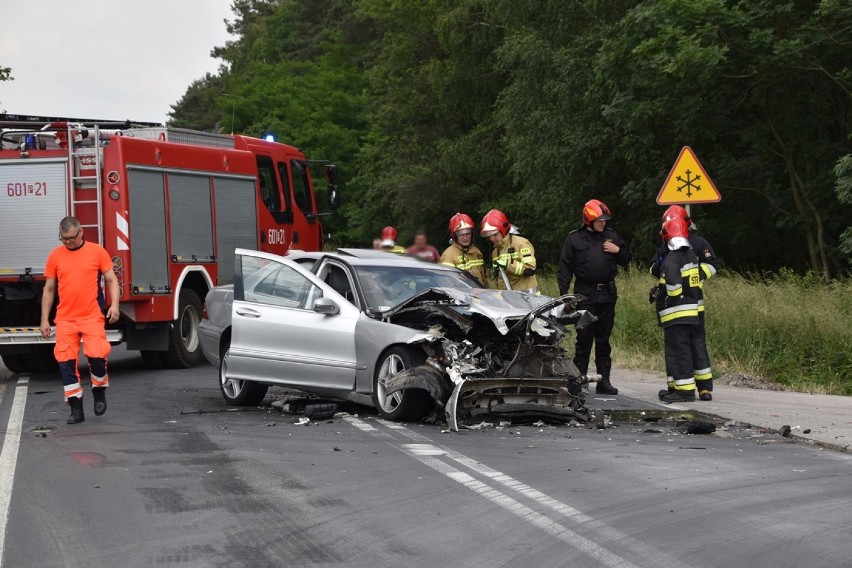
<point x="248" y="313"/>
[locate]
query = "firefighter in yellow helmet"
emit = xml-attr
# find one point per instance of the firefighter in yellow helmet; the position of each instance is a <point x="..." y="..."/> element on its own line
<point x="463" y="254"/>
<point x="513" y="255"/>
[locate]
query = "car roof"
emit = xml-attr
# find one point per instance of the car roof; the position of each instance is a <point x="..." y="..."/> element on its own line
<point x="369" y="257"/>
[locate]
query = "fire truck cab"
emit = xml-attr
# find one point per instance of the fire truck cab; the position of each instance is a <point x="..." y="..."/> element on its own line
<point x="169" y="205"/>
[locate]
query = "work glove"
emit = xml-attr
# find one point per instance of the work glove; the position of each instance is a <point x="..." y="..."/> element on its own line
<point x="500" y="263"/>
<point x="652" y="294"/>
<point x="529" y="271"/>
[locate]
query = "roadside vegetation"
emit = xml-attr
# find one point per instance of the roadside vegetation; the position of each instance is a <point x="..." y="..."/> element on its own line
<point x="786" y="328"/>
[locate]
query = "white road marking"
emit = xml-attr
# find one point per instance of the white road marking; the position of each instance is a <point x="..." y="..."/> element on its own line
<point x="660" y="559"/>
<point x="426" y="454"/>
<point x="9" y="456"/>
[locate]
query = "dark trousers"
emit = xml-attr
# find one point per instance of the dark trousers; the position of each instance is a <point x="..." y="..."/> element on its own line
<point x="681" y="343"/>
<point x="597" y="333"/>
<point x="701" y="358"/>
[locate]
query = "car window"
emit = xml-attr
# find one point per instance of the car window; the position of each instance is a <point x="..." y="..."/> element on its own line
<point x="269" y="282"/>
<point x="386" y="286"/>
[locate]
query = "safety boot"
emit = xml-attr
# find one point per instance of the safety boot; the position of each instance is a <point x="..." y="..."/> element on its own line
<point x="705" y="395"/>
<point x="605" y="387"/>
<point x="99" y="394"/>
<point x="76" y="405"/>
<point x="679" y="396"/>
<point x="664" y="392"/>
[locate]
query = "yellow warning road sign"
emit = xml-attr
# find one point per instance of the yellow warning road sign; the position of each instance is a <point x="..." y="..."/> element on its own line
<point x="688" y="182"/>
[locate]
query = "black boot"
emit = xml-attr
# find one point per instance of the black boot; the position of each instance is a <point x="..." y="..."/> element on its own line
<point x="605" y="387"/>
<point x="76" y="405"/>
<point x="99" y="394"/>
<point x="679" y="396"/>
<point x="664" y="392"/>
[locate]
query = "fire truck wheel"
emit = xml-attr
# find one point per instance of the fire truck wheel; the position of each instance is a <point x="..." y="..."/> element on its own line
<point x="184" y="345"/>
<point x="15" y="363"/>
<point x="237" y="392"/>
<point x="153" y="359"/>
<point x="41" y="360"/>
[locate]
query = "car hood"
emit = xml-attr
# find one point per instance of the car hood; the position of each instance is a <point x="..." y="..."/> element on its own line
<point x="509" y="310"/>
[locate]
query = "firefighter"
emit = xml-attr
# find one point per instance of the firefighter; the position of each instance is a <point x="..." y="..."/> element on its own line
<point x="76" y="267"/>
<point x="677" y="297"/>
<point x="462" y="253"/>
<point x="591" y="256"/>
<point x="513" y="256"/>
<point x="388" y="243"/>
<point x="710" y="265"/>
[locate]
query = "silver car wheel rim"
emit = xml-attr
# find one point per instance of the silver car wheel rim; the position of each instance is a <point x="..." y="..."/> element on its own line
<point x="232" y="387"/>
<point x="392" y="365"/>
<point x="189" y="328"/>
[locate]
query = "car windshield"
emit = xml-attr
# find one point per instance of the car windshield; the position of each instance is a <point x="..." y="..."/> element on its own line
<point x="387" y="286"/>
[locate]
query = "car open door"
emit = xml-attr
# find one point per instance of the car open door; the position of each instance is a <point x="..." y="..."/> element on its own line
<point x="289" y="327"/>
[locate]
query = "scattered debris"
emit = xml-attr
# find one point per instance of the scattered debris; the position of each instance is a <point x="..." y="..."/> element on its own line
<point x="336" y="449"/>
<point x="304" y="421"/>
<point x="696" y="427"/>
<point x="270" y="424"/>
<point x="652" y="431"/>
<point x="320" y="411"/>
<point x="540" y="424"/>
<point x="786" y="431"/>
<point x="480" y="426"/>
<point x="807" y="431"/>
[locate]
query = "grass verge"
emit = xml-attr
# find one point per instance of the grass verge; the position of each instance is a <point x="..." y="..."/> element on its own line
<point x="786" y="328"/>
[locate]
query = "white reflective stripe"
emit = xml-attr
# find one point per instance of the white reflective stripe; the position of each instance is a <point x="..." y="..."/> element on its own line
<point x="684" y="382"/>
<point x="673" y="286"/>
<point x="701" y="302"/>
<point x="702" y="371"/>
<point x="688" y="266"/>
<point x="681" y="308"/>
<point x="121" y="225"/>
<point x="73" y="387"/>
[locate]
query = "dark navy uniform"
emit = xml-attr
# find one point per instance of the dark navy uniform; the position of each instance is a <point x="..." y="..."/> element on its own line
<point x="709" y="265"/>
<point x="593" y="271"/>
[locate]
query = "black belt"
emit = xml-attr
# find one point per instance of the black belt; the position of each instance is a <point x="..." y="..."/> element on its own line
<point x="597" y="285"/>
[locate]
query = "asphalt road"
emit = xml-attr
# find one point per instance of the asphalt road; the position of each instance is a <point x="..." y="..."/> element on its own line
<point x="155" y="482"/>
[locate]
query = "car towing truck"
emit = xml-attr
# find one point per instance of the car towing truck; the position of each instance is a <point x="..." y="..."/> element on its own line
<point x="170" y="205"/>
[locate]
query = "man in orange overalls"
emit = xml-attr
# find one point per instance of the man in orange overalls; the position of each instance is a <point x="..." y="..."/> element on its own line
<point x="77" y="266"/>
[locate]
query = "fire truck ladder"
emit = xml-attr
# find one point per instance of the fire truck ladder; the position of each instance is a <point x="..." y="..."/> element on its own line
<point x="75" y="153"/>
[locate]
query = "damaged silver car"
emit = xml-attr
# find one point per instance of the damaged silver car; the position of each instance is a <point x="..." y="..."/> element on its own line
<point x="402" y="335"/>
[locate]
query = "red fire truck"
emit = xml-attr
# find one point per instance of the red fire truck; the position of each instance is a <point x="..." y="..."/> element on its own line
<point x="170" y="205"/>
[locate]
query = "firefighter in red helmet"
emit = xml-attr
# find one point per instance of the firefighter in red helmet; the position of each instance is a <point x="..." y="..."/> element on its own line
<point x="462" y="253"/>
<point x="677" y="297"/>
<point x="709" y="265"/>
<point x="513" y="255"/>
<point x="590" y="257"/>
<point x="388" y="242"/>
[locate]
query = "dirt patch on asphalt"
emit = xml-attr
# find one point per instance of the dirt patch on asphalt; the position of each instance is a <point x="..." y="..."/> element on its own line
<point x="745" y="381"/>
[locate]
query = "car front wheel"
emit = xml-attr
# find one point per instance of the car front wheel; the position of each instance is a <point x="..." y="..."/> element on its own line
<point x="238" y="392"/>
<point x="405" y="405"/>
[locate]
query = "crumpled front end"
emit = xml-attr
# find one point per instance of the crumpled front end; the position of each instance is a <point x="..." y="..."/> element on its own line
<point x="486" y="367"/>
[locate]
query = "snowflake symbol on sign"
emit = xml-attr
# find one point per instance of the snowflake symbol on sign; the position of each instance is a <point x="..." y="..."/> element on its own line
<point x="689" y="183"/>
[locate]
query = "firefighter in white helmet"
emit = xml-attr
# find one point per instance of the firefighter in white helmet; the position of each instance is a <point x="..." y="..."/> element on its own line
<point x="513" y="255"/>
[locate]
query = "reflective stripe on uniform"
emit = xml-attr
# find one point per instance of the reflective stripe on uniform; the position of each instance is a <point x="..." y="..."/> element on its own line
<point x="73" y="390"/>
<point x="703" y="374"/>
<point x="100" y="381"/>
<point x="709" y="270"/>
<point x="684" y="384"/>
<point x="682" y="311"/>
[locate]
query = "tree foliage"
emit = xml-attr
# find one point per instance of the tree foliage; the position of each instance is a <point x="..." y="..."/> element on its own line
<point x="437" y="106"/>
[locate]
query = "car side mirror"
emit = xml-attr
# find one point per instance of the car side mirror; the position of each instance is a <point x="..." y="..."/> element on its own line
<point x="326" y="307"/>
<point x="333" y="197"/>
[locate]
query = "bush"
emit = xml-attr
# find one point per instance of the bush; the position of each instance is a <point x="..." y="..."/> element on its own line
<point x="786" y="328"/>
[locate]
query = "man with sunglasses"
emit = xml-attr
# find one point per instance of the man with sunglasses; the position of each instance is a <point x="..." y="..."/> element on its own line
<point x="77" y="267"/>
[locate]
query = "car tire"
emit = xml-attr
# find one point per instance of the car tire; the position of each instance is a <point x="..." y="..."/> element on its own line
<point x="184" y="342"/>
<point x="16" y="363"/>
<point x="153" y="359"/>
<point x="238" y="392"/>
<point x="406" y="405"/>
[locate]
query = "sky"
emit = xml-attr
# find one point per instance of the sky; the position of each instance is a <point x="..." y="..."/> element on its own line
<point x="107" y="59"/>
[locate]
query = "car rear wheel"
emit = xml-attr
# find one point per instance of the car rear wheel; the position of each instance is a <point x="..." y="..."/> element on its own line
<point x="405" y="405"/>
<point x="238" y="392"/>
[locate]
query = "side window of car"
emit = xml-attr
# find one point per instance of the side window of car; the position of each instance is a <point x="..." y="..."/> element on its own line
<point x="337" y="278"/>
<point x="272" y="283"/>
